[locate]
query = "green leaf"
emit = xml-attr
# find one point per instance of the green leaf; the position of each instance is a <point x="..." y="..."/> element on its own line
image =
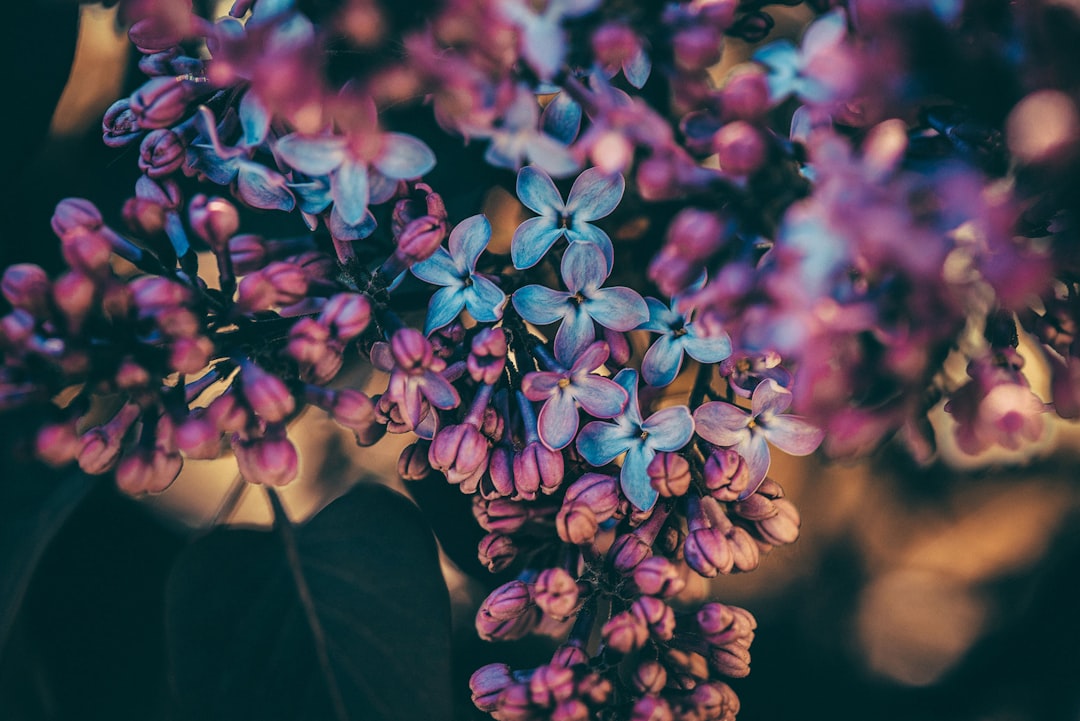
<point x="241" y="644"/>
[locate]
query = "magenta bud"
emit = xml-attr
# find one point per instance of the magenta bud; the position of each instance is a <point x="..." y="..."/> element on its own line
<point x="657" y="178"/>
<point x="57" y="444"/>
<point x="556" y="592"/>
<point x="708" y="553"/>
<point x="657" y="576"/>
<point x="278" y="284"/>
<point x="510" y="600"/>
<point x="625" y="632"/>
<point x="627" y="552"/>
<point x="356" y="411"/>
<point x="413" y="462"/>
<point x="119" y="125"/>
<point x="215" y="220"/>
<point x="86" y="251"/>
<point x="162" y="101"/>
<point x="537" y="467"/>
<point x="740" y="147"/>
<point x="781" y="528"/>
<point x="657" y="615"/>
<point x="73" y="214"/>
<point x="27" y="286"/>
<point x="650" y="677"/>
<point x="161" y="153"/>
<point x="148" y="471"/>
<point x="500" y="478"/>
<point x="143" y="217"/>
<point x="576" y="523"/>
<point x="411" y="350"/>
<point x="190" y="355"/>
<point x="715" y="700"/>
<point x="732" y="661"/>
<point x="652" y="708"/>
<point x="756" y="507"/>
<point x="347" y="314"/>
<point x="460" y="451"/>
<point x="17" y="328"/>
<point x="570" y="654"/>
<point x="271" y="460"/>
<point x="155" y="33"/>
<point x="248" y="252"/>
<point x="99" y="447"/>
<point x="669" y="474"/>
<point x="266" y="394"/>
<point x="228" y="414"/>
<point x="419" y="239"/>
<point x="73" y="293"/>
<point x="514" y="703"/>
<point x="198" y="437"/>
<point x="726" y="625"/>
<point x="488" y="355"/>
<point x="550" y="685"/>
<point x="500" y="515"/>
<point x="613" y="44"/>
<point x="697" y="234"/>
<point x="572" y="709"/>
<point x="496" y="551"/>
<point x="696" y="47"/>
<point x="308" y="341"/>
<point x="726" y="475"/>
<point x="595" y="689"/>
<point x="487" y="682"/>
<point x="597" y="491"/>
<point x="746" y="94"/>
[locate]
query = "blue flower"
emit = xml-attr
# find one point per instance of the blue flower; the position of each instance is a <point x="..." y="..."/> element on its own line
<point x="793" y="71"/>
<point x="678" y="335"/>
<point x="455" y="271"/>
<point x="594" y="195"/>
<point x="668" y="429"/>
<point x="543" y="41"/>
<point x="517" y="137"/>
<point x="584" y="301"/>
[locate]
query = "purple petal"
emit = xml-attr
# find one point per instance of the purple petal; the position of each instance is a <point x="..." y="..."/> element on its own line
<point x="438" y="269"/>
<point x="439" y="392"/>
<point x="583" y="267"/>
<point x="484" y="300"/>
<point x="561" y="118"/>
<point x="722" y="424"/>
<point x="313" y="156"/>
<point x="662" y="361"/>
<point x="411" y="401"/>
<point x="669" y="429"/>
<point x="590" y="359"/>
<point x="382" y="188"/>
<point x="558" y="421"/>
<point x="706" y="350"/>
<point x="595" y="194"/>
<point x="404" y="157"/>
<point x="756" y="453"/>
<point x="582" y="232"/>
<point x="444" y="307"/>
<point x="540" y="385"/>
<point x="349" y="188"/>
<point x="634" y="477"/>
<point x="575" y="333"/>
<point x="263" y="188"/>
<point x="537" y="191"/>
<point x="356" y="231"/>
<point x="600" y="397"/>
<point x="600" y="443"/>
<point x="793" y="434"/>
<point x="769" y="399"/>
<point x="617" y="308"/>
<point x="532" y="240"/>
<point x="468" y="240"/>
<point x="541" y="305"/>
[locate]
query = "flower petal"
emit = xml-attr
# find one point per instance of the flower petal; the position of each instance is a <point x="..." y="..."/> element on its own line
<point x="590" y="359"/>
<point x="588" y="233"/>
<point x="404" y="157"/>
<point x="756" y="453"/>
<point x="769" y="399"/>
<point x="537" y="191"/>
<point x="634" y="477"/>
<point x="574" y="335"/>
<point x="468" y="240"/>
<point x="661" y="317"/>
<point x="551" y="155"/>
<point x="444" y="307"/>
<point x="557" y="423"/>
<point x="669" y="429"/>
<point x="617" y="308"/>
<point x="439" y="392"/>
<point x="662" y="361"/>
<point x="793" y="434"/>
<point x="636" y="68"/>
<point x="600" y="397"/>
<point x="263" y="188"/>
<point x="532" y="240"/>
<point x="484" y="300"/>
<point x="438" y="269"/>
<point x="722" y="424"/>
<point x="707" y="349"/>
<point x="541" y="305"/>
<point x="540" y="385"/>
<point x="311" y="155"/>
<point x="595" y="194"/>
<point x="561" y="118"/>
<point x="357" y="231"/>
<point x="600" y="443"/>
<point x="254" y="119"/>
<point x="583" y="268"/>
<point x="349" y="188"/>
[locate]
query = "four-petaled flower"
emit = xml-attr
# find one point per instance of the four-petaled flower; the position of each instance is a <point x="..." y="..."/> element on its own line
<point x="668" y="429"/>
<point x="455" y="270"/>
<point x="584" y="301"/>
<point x="517" y="136"/>
<point x="678" y="335"/>
<point x="594" y="195"/>
<point x="816" y="72"/>
<point x="543" y="41"/>
<point x="728" y="426"/>
<point x="564" y="390"/>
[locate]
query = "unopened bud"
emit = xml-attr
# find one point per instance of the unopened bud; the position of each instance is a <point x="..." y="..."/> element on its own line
<point x="740" y="148"/>
<point x="669" y="474"/>
<point x="726" y="475"/>
<point x="657" y="615"/>
<point x="162" y="101"/>
<point x="625" y="632"/>
<point x="657" y="576"/>
<point x="556" y="592"/>
<point x="119" y="125"/>
<point x="215" y="220"/>
<point x="27" y="286"/>
<point x="496" y="551"/>
<point x="270" y="460"/>
<point x="651" y="708"/>
<point x="460" y="451"/>
<point x="627" y="552"/>
<point x="487" y="359"/>
<point x="487" y="682"/>
<point x="650" y="677"/>
<point x="419" y="239"/>
<point x="266" y="394"/>
<point x="161" y="153"/>
<point x="347" y="315"/>
<point x="576" y="523"/>
<point x="500" y="515"/>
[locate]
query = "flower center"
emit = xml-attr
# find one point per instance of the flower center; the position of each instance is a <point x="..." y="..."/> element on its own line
<point x="577" y="298"/>
<point x="743" y="366"/>
<point x="564" y="382"/>
<point x="566" y="221"/>
<point x="752" y="424"/>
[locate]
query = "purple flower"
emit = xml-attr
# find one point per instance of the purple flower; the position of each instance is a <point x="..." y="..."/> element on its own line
<point x="678" y="335"/>
<point x="584" y="301"/>
<point x="728" y="426"/>
<point x="668" y="429"/>
<point x="455" y="270"/>
<point x="416" y="376"/>
<point x="594" y="195"/>
<point x="564" y="390"/>
<point x="543" y="41"/>
<point x="802" y="71"/>
<point x="745" y="372"/>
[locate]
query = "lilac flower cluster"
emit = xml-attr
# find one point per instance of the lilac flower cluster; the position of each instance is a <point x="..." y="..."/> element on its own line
<point x="612" y="423"/>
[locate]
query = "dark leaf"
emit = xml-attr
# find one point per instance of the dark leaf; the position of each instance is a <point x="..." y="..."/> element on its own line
<point x="241" y="645"/>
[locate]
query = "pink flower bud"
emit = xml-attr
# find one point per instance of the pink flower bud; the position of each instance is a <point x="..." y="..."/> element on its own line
<point x="672" y="272"/>
<point x="657" y="178"/>
<point x="57" y="444"/>
<point x="627" y="552"/>
<point x="419" y="239"/>
<point x="228" y="414"/>
<point x="198" y="437"/>
<point x="73" y="214"/>
<point x="119" y="125"/>
<point x="689" y="667"/>
<point x="143" y="217"/>
<point x="733" y="661"/>
<point x="625" y="632"/>
<point x="347" y="315"/>
<point x="487" y="682"/>
<point x="99" y="447"/>
<point x="613" y="44"/>
<point x="650" y="677"/>
<point x="356" y="411"/>
<point x="754" y="508"/>
<point x="17" y="328"/>
<point x="570" y="654"/>
<point x="740" y="147"/>
<point x="744" y="551"/>
<point x="726" y="625"/>
<point x="657" y="576"/>
<point x="514" y="704"/>
<point x="154" y="295"/>
<point x="487" y="358"/>
<point x="537" y="467"/>
<point x="746" y="94"/>
<point x="86" y="251"/>
<point x="726" y="475"/>
<point x="308" y="341"/>
<point x="576" y="523"/>
<point x="413" y="462"/>
<point x="500" y="515"/>
<point x="708" y="553"/>
<point x="509" y="601"/>
<point x="248" y="252"/>
<point x="460" y="451"/>
<point x="652" y="708"/>
<point x="619" y="345"/>
<point x="669" y="474"/>
<point x="161" y="153"/>
<point x="73" y="293"/>
<point x="162" y="101"/>
<point x="270" y="460"/>
<point x="500" y="478"/>
<point x="594" y="689"/>
<point x="598" y="491"/>
<point x="550" y="685"/>
<point x="155" y="33"/>
<point x="657" y="615"/>
<point x="697" y="234"/>
<point x="556" y="592"/>
<point x="696" y="47"/>
<point x="496" y="551"/>
<point x="266" y="394"/>
<point x="27" y="286"/>
<point x="190" y="355"/>
<point x="148" y="471"/>
<point x="411" y="350"/>
<point x="278" y="284"/>
<point x="571" y="709"/>
<point x="781" y="528"/>
<point x="715" y="700"/>
<point x="215" y="220"/>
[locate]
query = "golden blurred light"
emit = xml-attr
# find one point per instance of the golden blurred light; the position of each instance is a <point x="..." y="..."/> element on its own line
<point x="1042" y="127"/>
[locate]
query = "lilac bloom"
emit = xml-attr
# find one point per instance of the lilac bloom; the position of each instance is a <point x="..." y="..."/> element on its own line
<point x="543" y="41"/>
<point x="745" y="372"/>
<point x="563" y="391"/>
<point x="595" y="195"/>
<point x="728" y="426"/>
<point x="455" y="270"/>
<point x="678" y="335"/>
<point x="793" y="71"/>
<point x="584" y="301"/>
<point x="518" y="137"/>
<point x="668" y="429"/>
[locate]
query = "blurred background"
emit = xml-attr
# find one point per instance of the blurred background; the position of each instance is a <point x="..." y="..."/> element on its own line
<point x="941" y="592"/>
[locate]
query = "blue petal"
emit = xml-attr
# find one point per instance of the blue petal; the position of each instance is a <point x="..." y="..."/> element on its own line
<point x="381" y="188"/>
<point x="206" y="160"/>
<point x="438" y="269"/>
<point x="312" y="196"/>
<point x="444" y="306"/>
<point x="468" y="240"/>
<point x="551" y="155"/>
<point x="537" y="191"/>
<point x="254" y="119"/>
<point x="349" y="188"/>
<point x="584" y="268"/>
<point x="574" y="335"/>
<point x="439" y="392"/>
<point x="263" y="188"/>
<point x="628" y="379"/>
<point x="541" y="305"/>
<point x="484" y="300"/>
<point x="669" y="429"/>
<point x="595" y="194"/>
<point x="637" y="68"/>
<point x="404" y="157"/>
<point x="617" y="308"/>
<point x="706" y="349"/>
<point x="634" y="477"/>
<point x="661" y="317"/>
<point x="561" y="118"/>
<point x="600" y="443"/>
<point x="532" y="240"/>
<point x="313" y="156"/>
<point x="341" y="230"/>
<point x="662" y="361"/>
<point x="589" y="234"/>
